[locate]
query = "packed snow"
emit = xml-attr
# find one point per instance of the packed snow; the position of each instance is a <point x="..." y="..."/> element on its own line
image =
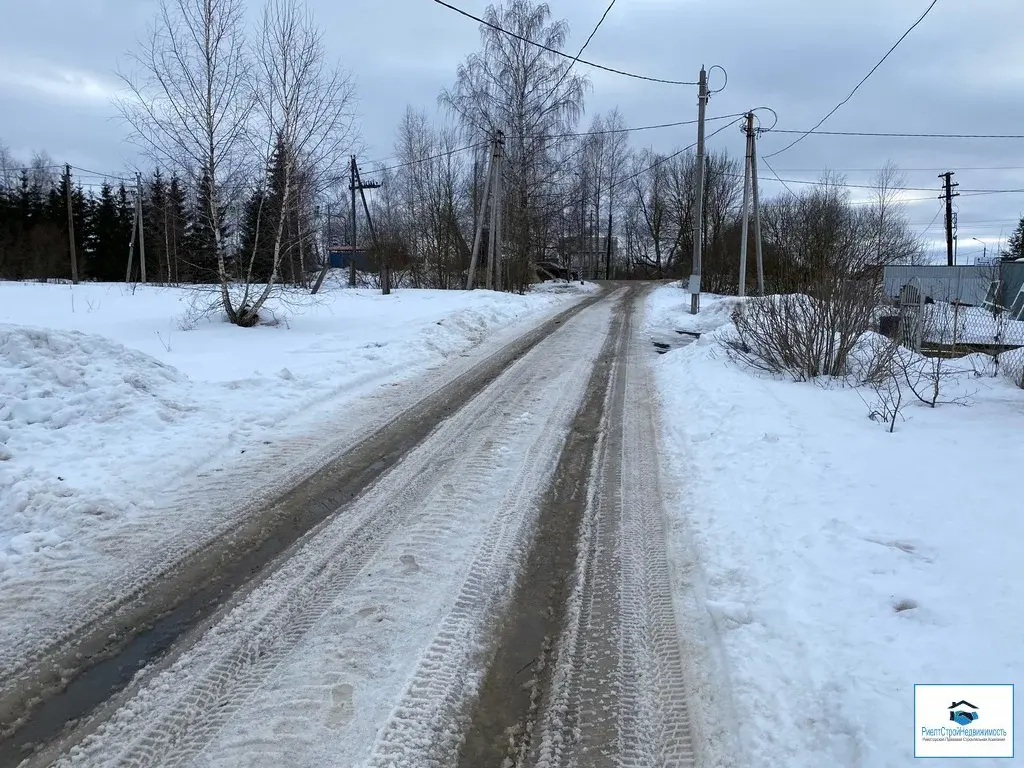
<point x="390" y="602"/>
<point x="837" y="564"/>
<point x="108" y="406"/>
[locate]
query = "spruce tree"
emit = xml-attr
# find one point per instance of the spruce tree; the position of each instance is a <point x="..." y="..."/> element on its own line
<point x="108" y="246"/>
<point x="201" y="241"/>
<point x="1015" y="245"/>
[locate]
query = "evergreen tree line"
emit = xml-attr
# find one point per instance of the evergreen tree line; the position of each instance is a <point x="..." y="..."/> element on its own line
<point x="180" y="246"/>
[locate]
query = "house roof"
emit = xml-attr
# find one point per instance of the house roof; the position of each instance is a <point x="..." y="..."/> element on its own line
<point x="958" y="703"/>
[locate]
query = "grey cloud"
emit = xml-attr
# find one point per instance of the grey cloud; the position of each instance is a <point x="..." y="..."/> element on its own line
<point x="961" y="71"/>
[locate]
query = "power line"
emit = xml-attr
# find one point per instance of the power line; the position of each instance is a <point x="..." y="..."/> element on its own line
<point x="875" y="186"/>
<point x="909" y="170"/>
<point x="895" y="135"/>
<point x="863" y="80"/>
<point x="665" y="159"/>
<point x="565" y="73"/>
<point x="557" y="136"/>
<point x="557" y="52"/>
<point x="769" y="167"/>
<point x="578" y="134"/>
<point x="439" y="156"/>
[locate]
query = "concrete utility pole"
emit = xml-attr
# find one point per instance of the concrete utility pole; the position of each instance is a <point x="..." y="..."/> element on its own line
<point x="698" y="216"/>
<point x="745" y="229"/>
<point x="142" y="237"/>
<point x="71" y="225"/>
<point x="131" y="244"/>
<point x="494" y="239"/>
<point x="608" y="245"/>
<point x="757" y="216"/>
<point x="492" y="162"/>
<point x="591" y="261"/>
<point x="352" y="242"/>
<point x="583" y="224"/>
<point x="499" y="194"/>
<point x="949" y="194"/>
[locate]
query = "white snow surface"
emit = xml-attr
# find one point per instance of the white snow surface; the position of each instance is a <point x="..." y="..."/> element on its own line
<point x="107" y="409"/>
<point x="836" y="564"/>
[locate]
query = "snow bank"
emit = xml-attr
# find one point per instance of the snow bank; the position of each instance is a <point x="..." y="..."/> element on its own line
<point x="669" y="307"/>
<point x="838" y="564"/>
<point x="105" y="403"/>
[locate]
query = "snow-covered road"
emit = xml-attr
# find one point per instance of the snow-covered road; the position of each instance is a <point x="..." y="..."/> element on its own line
<point x="368" y="642"/>
<point x="66" y="602"/>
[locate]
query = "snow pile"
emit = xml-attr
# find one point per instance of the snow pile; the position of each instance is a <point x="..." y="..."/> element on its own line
<point x="669" y="307"/>
<point x="105" y="404"/>
<point x="838" y="564"/>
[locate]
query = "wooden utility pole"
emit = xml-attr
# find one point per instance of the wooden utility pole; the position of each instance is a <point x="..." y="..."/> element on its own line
<point x="745" y="228"/>
<point x="698" y="216"/>
<point x="478" y="236"/>
<point x="359" y="185"/>
<point x="385" y="267"/>
<point x="138" y="216"/>
<point x="71" y="225"/>
<point x="949" y="194"/>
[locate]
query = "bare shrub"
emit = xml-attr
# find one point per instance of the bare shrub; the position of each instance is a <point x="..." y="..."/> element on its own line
<point x="805" y="336"/>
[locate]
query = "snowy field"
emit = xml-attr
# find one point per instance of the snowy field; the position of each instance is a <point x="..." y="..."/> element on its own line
<point x="837" y="564"/>
<point x="108" y="410"/>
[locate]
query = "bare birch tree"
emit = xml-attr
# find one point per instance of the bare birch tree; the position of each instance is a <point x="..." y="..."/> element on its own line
<point x="306" y="112"/>
<point x="531" y="95"/>
<point x="886" y="219"/>
<point x="190" y="105"/>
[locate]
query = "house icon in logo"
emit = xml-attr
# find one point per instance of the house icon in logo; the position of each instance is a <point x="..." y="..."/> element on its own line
<point x="963" y="712"/>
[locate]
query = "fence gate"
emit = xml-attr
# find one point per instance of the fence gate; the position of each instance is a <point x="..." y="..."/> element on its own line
<point x="911" y="314"/>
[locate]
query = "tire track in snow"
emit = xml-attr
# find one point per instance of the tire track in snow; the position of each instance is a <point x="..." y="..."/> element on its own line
<point x="179" y="710"/>
<point x="619" y="694"/>
<point x="428" y="726"/>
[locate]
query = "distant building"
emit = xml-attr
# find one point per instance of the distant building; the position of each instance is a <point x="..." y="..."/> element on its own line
<point x="341" y="256"/>
<point x="594" y="256"/>
<point x="998" y="285"/>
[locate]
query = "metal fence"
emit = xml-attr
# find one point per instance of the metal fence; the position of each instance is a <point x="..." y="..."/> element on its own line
<point x="998" y="287"/>
<point x="951" y="329"/>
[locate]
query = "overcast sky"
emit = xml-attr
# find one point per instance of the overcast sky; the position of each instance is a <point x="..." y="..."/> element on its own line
<point x="960" y="71"/>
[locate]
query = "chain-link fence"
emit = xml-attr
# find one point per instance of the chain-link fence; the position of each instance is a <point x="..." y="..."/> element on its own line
<point x="938" y="327"/>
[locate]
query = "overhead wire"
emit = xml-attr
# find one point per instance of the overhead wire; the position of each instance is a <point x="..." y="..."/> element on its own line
<point x="667" y="158"/>
<point x="778" y="178"/>
<point x="894" y="135"/>
<point x="857" y="87"/>
<point x="565" y="73"/>
<point x="874" y="186"/>
<point x="563" y="54"/>
<point x="556" y="136"/>
<point x="909" y="170"/>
